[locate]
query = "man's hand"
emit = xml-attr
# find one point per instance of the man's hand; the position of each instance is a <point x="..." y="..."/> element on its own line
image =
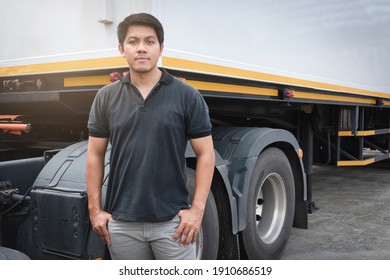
<point x="99" y="222"/>
<point x="190" y="223"/>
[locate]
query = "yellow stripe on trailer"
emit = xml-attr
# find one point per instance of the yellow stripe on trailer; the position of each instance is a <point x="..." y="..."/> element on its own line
<point x="362" y="96"/>
<point x="364" y="132"/>
<point x="329" y="97"/>
<point x="65" y="66"/>
<point x="355" y="162"/>
<point x="208" y="68"/>
<point x="209" y="86"/>
<point x="220" y="87"/>
<point x="86" y="81"/>
<point x="362" y="162"/>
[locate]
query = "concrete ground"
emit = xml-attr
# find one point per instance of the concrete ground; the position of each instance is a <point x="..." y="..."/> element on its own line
<point x="353" y="220"/>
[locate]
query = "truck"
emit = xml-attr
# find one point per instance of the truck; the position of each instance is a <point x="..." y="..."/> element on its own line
<point x="289" y="85"/>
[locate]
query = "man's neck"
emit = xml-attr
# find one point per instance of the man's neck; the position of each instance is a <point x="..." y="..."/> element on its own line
<point x="145" y="80"/>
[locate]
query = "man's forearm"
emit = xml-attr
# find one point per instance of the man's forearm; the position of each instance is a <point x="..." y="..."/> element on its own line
<point x="203" y="177"/>
<point x="94" y="179"/>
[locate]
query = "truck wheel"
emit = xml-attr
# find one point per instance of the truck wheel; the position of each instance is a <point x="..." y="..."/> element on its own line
<point x="270" y="208"/>
<point x="11" y="254"/>
<point x="207" y="242"/>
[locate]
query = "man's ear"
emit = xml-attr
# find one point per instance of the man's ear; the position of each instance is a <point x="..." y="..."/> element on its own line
<point x="120" y="49"/>
<point x="161" y="48"/>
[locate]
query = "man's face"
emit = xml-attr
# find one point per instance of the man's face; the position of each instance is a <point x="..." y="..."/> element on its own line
<point x="141" y="48"/>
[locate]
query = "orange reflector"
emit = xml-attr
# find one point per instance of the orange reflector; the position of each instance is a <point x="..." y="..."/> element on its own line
<point x="380" y="102"/>
<point x="288" y="93"/>
<point x="300" y="153"/>
<point x="115" y="76"/>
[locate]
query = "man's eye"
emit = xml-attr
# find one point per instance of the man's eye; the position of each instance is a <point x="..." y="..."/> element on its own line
<point x="132" y="42"/>
<point x="150" y="42"/>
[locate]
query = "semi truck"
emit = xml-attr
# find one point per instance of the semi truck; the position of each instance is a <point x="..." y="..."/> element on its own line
<point x="289" y="84"/>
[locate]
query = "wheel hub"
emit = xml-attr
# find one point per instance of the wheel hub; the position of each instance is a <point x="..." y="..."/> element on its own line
<point x="271" y="206"/>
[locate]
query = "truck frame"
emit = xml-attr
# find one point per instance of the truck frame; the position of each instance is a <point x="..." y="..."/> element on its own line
<point x="288" y="85"/>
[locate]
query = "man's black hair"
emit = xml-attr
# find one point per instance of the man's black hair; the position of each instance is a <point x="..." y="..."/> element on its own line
<point x="140" y="19"/>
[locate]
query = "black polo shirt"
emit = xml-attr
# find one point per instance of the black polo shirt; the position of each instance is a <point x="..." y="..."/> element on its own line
<point x="147" y="181"/>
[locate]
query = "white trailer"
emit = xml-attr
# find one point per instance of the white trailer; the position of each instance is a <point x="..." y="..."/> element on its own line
<point x="278" y="76"/>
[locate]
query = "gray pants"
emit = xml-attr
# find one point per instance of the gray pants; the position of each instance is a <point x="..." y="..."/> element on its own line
<point x="147" y="241"/>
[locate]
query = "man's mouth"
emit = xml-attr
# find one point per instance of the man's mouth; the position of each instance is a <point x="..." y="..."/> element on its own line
<point x="142" y="58"/>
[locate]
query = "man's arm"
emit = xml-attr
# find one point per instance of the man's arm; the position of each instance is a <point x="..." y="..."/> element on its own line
<point x="94" y="176"/>
<point x="191" y="219"/>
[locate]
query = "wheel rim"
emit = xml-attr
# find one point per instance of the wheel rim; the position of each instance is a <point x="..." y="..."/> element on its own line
<point x="271" y="204"/>
<point x="199" y="245"/>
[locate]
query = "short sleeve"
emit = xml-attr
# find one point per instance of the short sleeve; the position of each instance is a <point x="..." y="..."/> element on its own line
<point x="98" y="125"/>
<point x="197" y="120"/>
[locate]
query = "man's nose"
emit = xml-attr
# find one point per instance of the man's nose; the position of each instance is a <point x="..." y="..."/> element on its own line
<point x="141" y="47"/>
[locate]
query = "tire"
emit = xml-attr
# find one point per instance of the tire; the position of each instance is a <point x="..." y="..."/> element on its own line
<point x="11" y="254"/>
<point x="228" y="241"/>
<point x="270" y="206"/>
<point x="207" y="242"/>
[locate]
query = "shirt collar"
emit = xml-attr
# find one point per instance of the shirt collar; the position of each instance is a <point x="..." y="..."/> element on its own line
<point x="166" y="78"/>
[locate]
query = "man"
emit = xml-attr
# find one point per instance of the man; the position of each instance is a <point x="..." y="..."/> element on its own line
<point x="148" y="117"/>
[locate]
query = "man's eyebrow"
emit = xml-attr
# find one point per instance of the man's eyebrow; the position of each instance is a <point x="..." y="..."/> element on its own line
<point x="136" y="37"/>
<point x="131" y="37"/>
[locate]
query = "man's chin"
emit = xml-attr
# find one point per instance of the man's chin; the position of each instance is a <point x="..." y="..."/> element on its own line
<point x="142" y="70"/>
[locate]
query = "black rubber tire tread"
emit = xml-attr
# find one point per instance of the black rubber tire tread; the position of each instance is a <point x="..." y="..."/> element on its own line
<point x="11" y="254"/>
<point x="228" y="242"/>
<point x="272" y="160"/>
